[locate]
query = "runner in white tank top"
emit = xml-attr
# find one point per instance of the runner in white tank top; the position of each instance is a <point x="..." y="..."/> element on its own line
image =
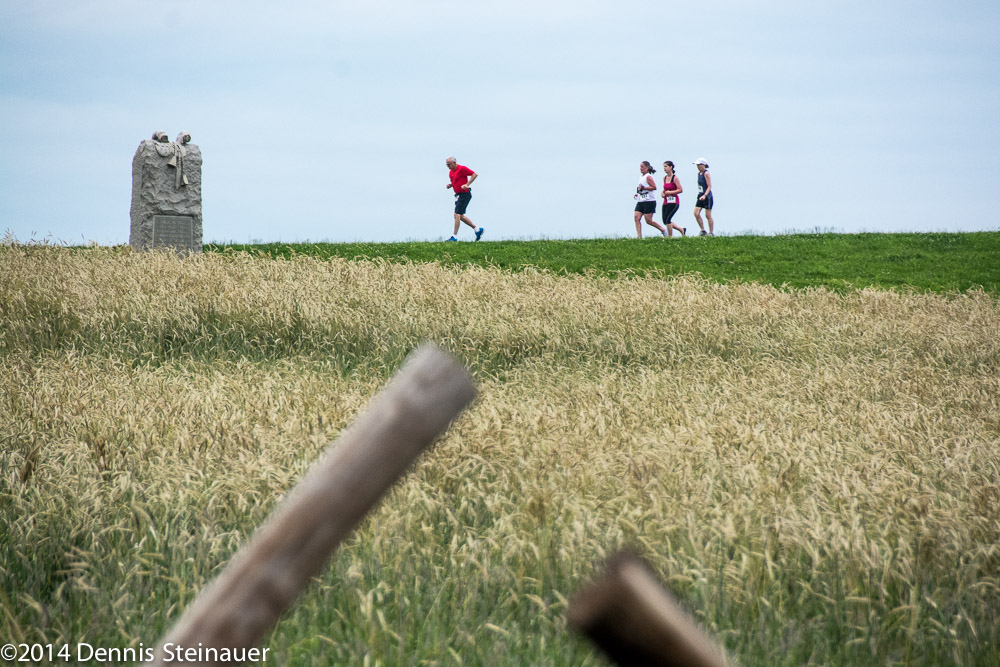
<point x="645" y="196"/>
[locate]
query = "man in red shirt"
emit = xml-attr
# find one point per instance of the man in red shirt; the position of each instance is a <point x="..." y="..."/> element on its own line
<point x="460" y="180"/>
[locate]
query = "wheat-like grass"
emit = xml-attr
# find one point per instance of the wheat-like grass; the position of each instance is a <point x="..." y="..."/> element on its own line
<point x="815" y="474"/>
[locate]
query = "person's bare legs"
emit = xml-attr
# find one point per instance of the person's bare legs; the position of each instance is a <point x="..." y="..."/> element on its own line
<point x="654" y="223"/>
<point x="672" y="226"/>
<point x="711" y="222"/>
<point x="638" y="224"/>
<point x="697" y="217"/>
<point x="459" y="219"/>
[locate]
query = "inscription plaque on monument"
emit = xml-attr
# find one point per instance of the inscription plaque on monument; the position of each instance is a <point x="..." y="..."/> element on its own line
<point x="166" y="194"/>
<point x="175" y="231"/>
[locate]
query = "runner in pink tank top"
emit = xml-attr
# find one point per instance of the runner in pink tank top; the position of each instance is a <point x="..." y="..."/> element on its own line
<point x="671" y="200"/>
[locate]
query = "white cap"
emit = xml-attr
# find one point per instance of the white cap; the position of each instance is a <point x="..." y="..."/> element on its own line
<point x="701" y="160"/>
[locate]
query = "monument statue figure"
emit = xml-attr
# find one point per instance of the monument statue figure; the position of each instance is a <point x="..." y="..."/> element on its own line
<point x="175" y="151"/>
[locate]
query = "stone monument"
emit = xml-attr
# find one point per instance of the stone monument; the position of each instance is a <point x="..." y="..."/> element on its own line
<point x="166" y="194"/>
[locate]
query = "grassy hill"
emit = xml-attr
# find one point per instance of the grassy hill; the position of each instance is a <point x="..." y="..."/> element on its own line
<point x="812" y="471"/>
<point x="926" y="262"/>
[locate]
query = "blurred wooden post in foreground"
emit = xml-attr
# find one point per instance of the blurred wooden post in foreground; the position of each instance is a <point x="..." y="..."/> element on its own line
<point x="267" y="574"/>
<point x="636" y="621"/>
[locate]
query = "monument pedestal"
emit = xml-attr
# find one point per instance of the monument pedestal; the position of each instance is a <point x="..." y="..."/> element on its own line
<point x="166" y="195"/>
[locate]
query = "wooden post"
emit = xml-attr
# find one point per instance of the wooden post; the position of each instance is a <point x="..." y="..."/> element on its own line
<point x="267" y="574"/>
<point x="636" y="621"/>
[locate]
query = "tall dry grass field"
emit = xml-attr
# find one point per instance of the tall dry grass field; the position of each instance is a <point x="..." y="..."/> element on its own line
<point x="814" y="474"/>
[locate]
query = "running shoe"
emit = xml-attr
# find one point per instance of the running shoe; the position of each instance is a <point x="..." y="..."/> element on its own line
<point x="451" y="239"/>
<point x="684" y="232"/>
<point x="703" y="233"/>
<point x="479" y="234"/>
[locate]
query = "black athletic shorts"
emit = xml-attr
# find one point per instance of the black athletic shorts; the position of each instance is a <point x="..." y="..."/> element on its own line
<point x="707" y="202"/>
<point x="462" y="202"/>
<point x="668" y="212"/>
<point x="645" y="207"/>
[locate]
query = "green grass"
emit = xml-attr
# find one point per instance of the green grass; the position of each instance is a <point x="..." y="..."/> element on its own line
<point x="925" y="262"/>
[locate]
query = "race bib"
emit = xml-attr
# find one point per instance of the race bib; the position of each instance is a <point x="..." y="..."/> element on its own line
<point x="671" y="199"/>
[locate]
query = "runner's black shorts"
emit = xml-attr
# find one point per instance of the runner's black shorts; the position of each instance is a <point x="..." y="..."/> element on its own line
<point x="668" y="212"/>
<point x="706" y="203"/>
<point x="645" y="207"/>
<point x="462" y="200"/>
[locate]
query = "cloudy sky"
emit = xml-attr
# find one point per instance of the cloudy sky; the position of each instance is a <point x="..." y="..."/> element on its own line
<point x="332" y="120"/>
